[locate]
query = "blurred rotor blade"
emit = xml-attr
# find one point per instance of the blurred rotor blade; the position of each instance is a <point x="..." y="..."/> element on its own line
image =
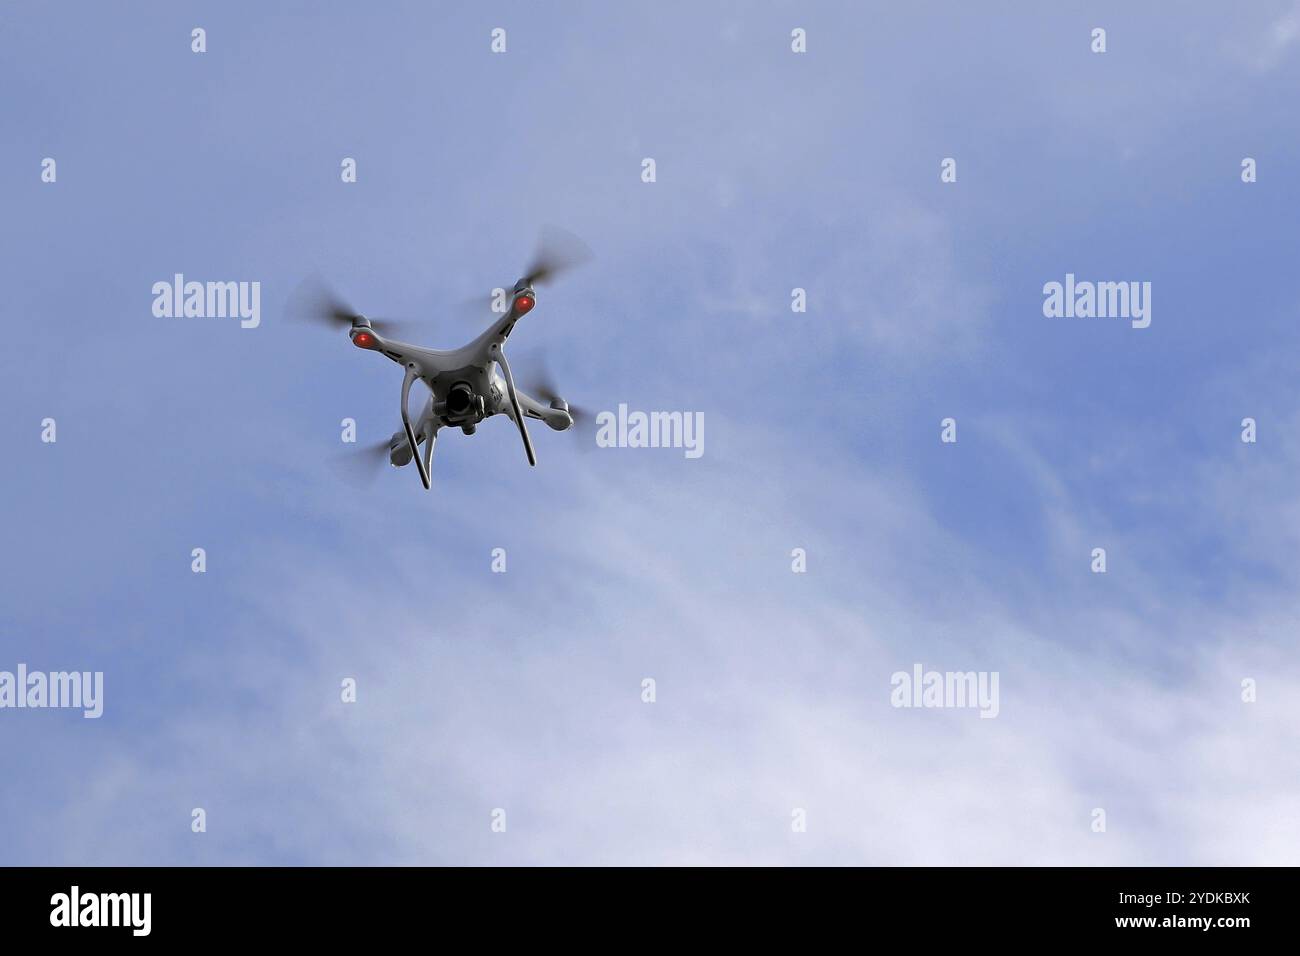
<point x="584" y="427"/>
<point x="538" y="382"/>
<point x="537" y="379"/>
<point x="361" y="465"/>
<point x="483" y="308"/>
<point x="398" y="328"/>
<point x="582" y="417"/>
<point x="557" y="251"/>
<point x="314" y="301"/>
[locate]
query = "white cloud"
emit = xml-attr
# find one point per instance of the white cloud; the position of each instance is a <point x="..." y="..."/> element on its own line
<point x="1278" y="39"/>
<point x="522" y="691"/>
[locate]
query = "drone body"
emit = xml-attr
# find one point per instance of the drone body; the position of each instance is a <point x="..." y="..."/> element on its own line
<point x="466" y="385"/>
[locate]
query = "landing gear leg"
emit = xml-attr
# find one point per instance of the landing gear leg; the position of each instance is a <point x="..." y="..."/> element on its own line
<point x="430" y="436"/>
<point x="421" y="463"/>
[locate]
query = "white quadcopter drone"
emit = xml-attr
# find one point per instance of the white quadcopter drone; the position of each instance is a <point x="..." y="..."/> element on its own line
<point x="468" y="384"/>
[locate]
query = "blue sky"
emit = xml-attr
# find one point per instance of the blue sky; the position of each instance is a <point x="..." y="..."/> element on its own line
<point x="522" y="690"/>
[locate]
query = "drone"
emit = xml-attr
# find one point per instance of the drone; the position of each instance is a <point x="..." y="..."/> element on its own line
<point x="469" y="384"/>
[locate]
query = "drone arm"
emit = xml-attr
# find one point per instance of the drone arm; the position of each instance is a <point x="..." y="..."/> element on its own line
<point x="500" y="356"/>
<point x="420" y="463"/>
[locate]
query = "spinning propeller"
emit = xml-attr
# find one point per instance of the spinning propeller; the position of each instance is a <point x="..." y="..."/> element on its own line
<point x="362" y="464"/>
<point x="541" y="383"/>
<point x="557" y="251"/>
<point x="314" y="301"/>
